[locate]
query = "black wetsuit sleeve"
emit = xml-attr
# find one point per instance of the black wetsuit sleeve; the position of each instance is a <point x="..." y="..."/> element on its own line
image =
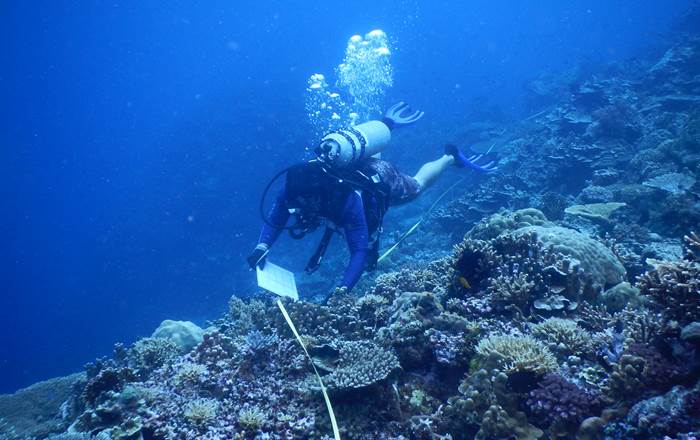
<point x="276" y="220"/>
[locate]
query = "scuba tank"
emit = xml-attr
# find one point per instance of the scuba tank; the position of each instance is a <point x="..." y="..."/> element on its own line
<point x="350" y="145"/>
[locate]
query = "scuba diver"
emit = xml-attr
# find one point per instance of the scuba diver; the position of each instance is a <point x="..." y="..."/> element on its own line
<point x="349" y="187"/>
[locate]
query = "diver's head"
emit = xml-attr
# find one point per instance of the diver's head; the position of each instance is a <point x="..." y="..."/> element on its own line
<point x="305" y="186"/>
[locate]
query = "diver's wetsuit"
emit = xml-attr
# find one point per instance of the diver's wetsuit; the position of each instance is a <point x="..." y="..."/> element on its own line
<point x="358" y="214"/>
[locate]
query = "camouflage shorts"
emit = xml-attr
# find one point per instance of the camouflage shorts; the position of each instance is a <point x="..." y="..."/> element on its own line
<point x="404" y="188"/>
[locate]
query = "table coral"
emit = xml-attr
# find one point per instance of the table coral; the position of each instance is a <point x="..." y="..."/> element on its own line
<point x="360" y="364"/>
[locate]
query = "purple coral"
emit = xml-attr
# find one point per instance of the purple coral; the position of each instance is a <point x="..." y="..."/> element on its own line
<point x="562" y="402"/>
<point x="659" y="372"/>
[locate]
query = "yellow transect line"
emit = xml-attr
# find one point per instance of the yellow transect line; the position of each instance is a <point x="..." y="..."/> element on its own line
<point x="423" y="217"/>
<point x="336" y="432"/>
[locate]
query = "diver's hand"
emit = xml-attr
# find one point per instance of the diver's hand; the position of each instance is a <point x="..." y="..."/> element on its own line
<point x="257" y="257"/>
<point x="401" y="115"/>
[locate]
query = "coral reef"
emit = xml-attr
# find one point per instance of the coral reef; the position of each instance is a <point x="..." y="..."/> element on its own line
<point x="641" y="370"/>
<point x="662" y="416"/>
<point x="147" y="354"/>
<point x="519" y="274"/>
<point x="580" y="319"/>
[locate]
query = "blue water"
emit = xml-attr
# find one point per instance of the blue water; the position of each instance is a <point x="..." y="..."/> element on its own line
<point x="136" y="137"/>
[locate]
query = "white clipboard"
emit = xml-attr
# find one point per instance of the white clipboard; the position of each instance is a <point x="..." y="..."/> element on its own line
<point x="277" y="280"/>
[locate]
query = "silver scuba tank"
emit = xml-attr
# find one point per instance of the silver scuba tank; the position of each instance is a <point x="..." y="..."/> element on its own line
<point x="350" y="145"/>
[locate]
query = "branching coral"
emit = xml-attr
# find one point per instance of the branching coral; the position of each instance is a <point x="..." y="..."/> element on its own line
<point x="640" y="325"/>
<point x="256" y="342"/>
<point x="190" y="373"/>
<point x="432" y="278"/>
<point x="340" y="317"/>
<point x="225" y="385"/>
<point x="515" y="354"/>
<point x="641" y="369"/>
<point x="147" y="354"/>
<point x="511" y="290"/>
<point x="593" y="318"/>
<point x="251" y="418"/>
<point x="516" y="273"/>
<point x="692" y="241"/>
<point x="201" y="412"/>
<point x="7" y="432"/>
<point x="244" y="317"/>
<point x="674" y="288"/>
<point x="563" y="336"/>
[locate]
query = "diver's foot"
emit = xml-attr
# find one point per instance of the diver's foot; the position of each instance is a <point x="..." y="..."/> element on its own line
<point x="460" y="158"/>
<point x="462" y="161"/>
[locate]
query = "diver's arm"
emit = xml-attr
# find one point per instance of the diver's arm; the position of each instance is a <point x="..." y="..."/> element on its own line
<point x="357" y="236"/>
<point x="272" y="228"/>
<point x="276" y="220"/>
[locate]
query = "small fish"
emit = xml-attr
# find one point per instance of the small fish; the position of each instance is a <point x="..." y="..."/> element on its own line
<point x="463" y="281"/>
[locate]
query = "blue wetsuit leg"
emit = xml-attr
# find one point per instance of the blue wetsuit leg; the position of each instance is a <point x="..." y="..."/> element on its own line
<point x="354" y="226"/>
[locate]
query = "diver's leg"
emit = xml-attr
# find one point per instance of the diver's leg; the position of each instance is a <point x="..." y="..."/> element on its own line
<point x="431" y="170"/>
